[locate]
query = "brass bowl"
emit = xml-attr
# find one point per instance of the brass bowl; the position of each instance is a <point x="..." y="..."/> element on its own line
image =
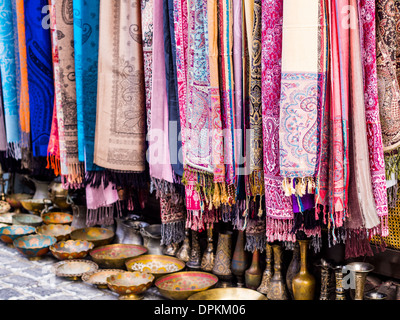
<point x="57" y="218"/>
<point x="157" y="265"/>
<point x="6" y="217"/>
<point x="4" y="207"/>
<point x="26" y="220"/>
<point x="375" y="296"/>
<point x="181" y="285"/>
<point x="10" y="233"/>
<point x="61" y="202"/>
<point x="71" y="249"/>
<point x="34" y="246"/>
<point x="15" y="200"/>
<point x="130" y="285"/>
<point x="113" y="256"/>
<point x="228" y="294"/>
<point x="35" y="205"/>
<point x="74" y="269"/>
<point x="99" y="277"/>
<point x="60" y="231"/>
<point x="99" y="236"/>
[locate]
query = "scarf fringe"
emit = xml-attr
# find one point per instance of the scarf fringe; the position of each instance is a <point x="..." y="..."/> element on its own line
<point x="392" y="195"/>
<point x="172" y="232"/>
<point x="257" y="183"/>
<point x="54" y="164"/>
<point x="13" y="151"/>
<point x="74" y="178"/>
<point x="279" y="230"/>
<point x="306" y="220"/>
<point x="100" y="216"/>
<point x="121" y="179"/>
<point x="254" y="242"/>
<point x="357" y="243"/>
<point x="299" y="186"/>
<point x="238" y="222"/>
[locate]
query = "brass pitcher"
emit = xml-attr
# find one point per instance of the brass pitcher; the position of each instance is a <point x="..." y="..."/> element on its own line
<point x="184" y="251"/>
<point x="293" y="269"/>
<point x="222" y="264"/>
<point x="239" y="263"/>
<point x="194" y="262"/>
<point x="207" y="262"/>
<point x="277" y="288"/>
<point x="253" y="275"/>
<point x="267" y="275"/>
<point x="304" y="282"/>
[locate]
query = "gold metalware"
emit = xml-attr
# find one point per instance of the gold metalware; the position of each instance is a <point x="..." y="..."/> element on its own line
<point x="15" y="200"/>
<point x="277" y="287"/>
<point x="26" y="220"/>
<point x="4" y="206"/>
<point x="35" y="206"/>
<point x="157" y="265"/>
<point x="113" y="256"/>
<point x="340" y="293"/>
<point x="184" y="252"/>
<point x="71" y="249"/>
<point x="360" y="270"/>
<point x="303" y="283"/>
<point x="194" y="262"/>
<point x="171" y="249"/>
<point x="59" y="231"/>
<point x="34" y="246"/>
<point x="267" y="275"/>
<point x="99" y="277"/>
<point x="375" y="296"/>
<point x="74" y="269"/>
<point x="222" y="264"/>
<point x="253" y="275"/>
<point x="130" y="285"/>
<point x="208" y="259"/>
<point x="99" y="236"/>
<point x="181" y="285"/>
<point x="228" y="294"/>
<point x="57" y="218"/>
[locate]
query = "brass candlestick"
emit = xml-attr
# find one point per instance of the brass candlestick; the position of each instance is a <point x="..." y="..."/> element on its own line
<point x="325" y="266"/>
<point x="194" y="262"/>
<point x="361" y="270"/>
<point x="267" y="275"/>
<point x="340" y="294"/>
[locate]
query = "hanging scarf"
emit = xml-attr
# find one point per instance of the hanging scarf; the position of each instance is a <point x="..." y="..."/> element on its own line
<point x="374" y="131"/>
<point x="9" y="80"/>
<point x="339" y="164"/>
<point x="174" y="128"/>
<point x="3" y="138"/>
<point x="255" y="236"/>
<point x="40" y="76"/>
<point x="252" y="12"/>
<point x="120" y="136"/>
<point x="147" y="37"/>
<point x="225" y="30"/>
<point x="22" y="74"/>
<point x="361" y="199"/>
<point x="279" y="214"/>
<point x="72" y="176"/>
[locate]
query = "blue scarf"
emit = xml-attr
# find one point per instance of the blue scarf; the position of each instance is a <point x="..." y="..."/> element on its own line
<point x="40" y="75"/>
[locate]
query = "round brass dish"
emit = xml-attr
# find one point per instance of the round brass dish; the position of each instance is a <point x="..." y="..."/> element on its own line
<point x="35" y="206"/>
<point x="71" y="249"/>
<point x="57" y="218"/>
<point x="181" y="285"/>
<point x="59" y="231"/>
<point x="15" y="200"/>
<point x="26" y="220"/>
<point x="74" y="269"/>
<point x="99" y="277"/>
<point x="113" y="256"/>
<point x="99" y="236"/>
<point x="228" y="294"/>
<point x="4" y="207"/>
<point x="157" y="265"/>
<point x="130" y="285"/>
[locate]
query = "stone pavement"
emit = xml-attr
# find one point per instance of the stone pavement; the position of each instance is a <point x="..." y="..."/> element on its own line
<point x="22" y="279"/>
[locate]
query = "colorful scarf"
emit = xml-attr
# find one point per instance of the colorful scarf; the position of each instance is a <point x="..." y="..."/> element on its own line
<point x="73" y="176"/>
<point x="147" y="37"/>
<point x="225" y="31"/>
<point x="362" y="211"/>
<point x="279" y="214"/>
<point x="40" y="76"/>
<point x="174" y="127"/>
<point x="3" y="138"/>
<point x="120" y="136"/>
<point x="252" y="12"/>
<point x="22" y="74"/>
<point x="374" y="131"/>
<point x="299" y="95"/>
<point x="9" y="80"/>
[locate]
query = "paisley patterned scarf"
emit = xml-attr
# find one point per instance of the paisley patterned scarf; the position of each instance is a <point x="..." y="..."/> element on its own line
<point x="147" y="36"/>
<point x="9" y="80"/>
<point x="279" y="213"/>
<point x="3" y="138"/>
<point x="40" y="76"/>
<point x="73" y="176"/>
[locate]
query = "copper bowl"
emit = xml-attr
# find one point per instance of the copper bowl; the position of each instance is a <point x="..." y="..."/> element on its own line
<point x="113" y="256"/>
<point x="130" y="285"/>
<point x="181" y="285"/>
<point x="35" y="206"/>
<point x="99" y="236"/>
<point x="34" y="246"/>
<point x="157" y="265"/>
<point x="228" y="294"/>
<point x="99" y="277"/>
<point x="10" y="233"/>
<point x="15" y="200"/>
<point x="60" y="231"/>
<point x="74" y="269"/>
<point x="57" y="218"/>
<point x="26" y="220"/>
<point x="71" y="249"/>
